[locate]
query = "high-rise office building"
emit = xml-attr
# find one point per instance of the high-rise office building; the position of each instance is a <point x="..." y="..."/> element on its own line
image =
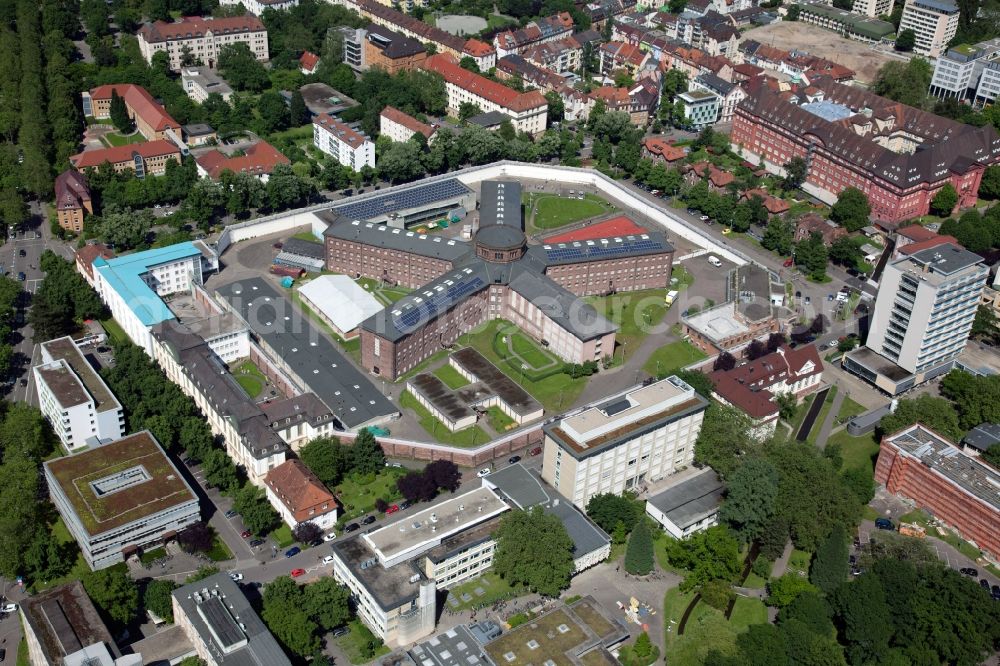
<point x="934" y="22"/>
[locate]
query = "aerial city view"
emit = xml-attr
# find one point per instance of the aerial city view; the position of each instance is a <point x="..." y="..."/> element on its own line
<point x="507" y="333"/>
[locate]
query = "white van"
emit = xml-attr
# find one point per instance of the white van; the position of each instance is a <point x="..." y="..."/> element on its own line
<point x="714" y="260"/>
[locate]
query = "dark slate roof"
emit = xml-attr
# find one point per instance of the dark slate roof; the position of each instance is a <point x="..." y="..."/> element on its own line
<point x="383" y="236"/>
<point x="563" y="307"/>
<point x="393" y="44"/>
<point x="349" y="394"/>
<point x="692" y="500"/>
<point x="525" y="489"/>
<point x="304" y="248"/>
<point x="983" y="437"/>
<point x="488" y="119"/>
<point x="947" y="145"/>
<point x="716" y="84"/>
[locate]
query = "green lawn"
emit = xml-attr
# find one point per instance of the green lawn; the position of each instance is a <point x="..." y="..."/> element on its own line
<point x="754" y="582"/>
<point x="498" y="22"/>
<point x="849" y="409"/>
<point x="116" y="139"/>
<point x="148" y="556"/>
<point x="707" y="629"/>
<point x="549" y="211"/>
<point x="493" y="586"/>
<point x="534" y="356"/>
<point x="799" y="562"/>
<point x="358" y="495"/>
<point x="635" y="313"/>
<point x="555" y="392"/>
<point x="499" y="421"/>
<point x="114" y="330"/>
<point x="821" y="419"/>
<point x="800" y="413"/>
<point x="219" y="552"/>
<point x="748" y="611"/>
<point x="22" y="653"/>
<point x="683" y="277"/>
<point x="250" y="378"/>
<point x="452" y="378"/>
<point x="387" y="295"/>
<point x="283" y="535"/>
<point x="471" y="436"/>
<point x="306" y="236"/>
<point x="857" y="452"/>
<point x="352" y="643"/>
<point x="672" y="357"/>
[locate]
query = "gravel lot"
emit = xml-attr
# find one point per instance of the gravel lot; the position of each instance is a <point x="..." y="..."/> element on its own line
<point x="790" y="35"/>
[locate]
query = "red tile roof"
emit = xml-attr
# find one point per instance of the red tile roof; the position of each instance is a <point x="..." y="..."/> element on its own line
<point x="616" y="226"/>
<point x="499" y="94"/>
<point x="915" y="232"/>
<point x="663" y="148"/>
<point x="748" y="386"/>
<point x="407" y="121"/>
<point x="71" y="190"/>
<point x="116" y="154"/>
<point x="477" y="49"/>
<point x="910" y="248"/>
<point x="141" y="102"/>
<point x="339" y="129"/>
<point x="260" y="159"/>
<point x="191" y="27"/>
<point x="774" y="205"/>
<point x="300" y="490"/>
<point x="716" y="176"/>
<point x="308" y="61"/>
<point x="86" y="255"/>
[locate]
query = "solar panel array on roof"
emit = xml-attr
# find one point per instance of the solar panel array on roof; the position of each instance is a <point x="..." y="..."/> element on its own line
<point x="416" y="197"/>
<point x="424" y="308"/>
<point x="604" y="248"/>
<point x="221" y="623"/>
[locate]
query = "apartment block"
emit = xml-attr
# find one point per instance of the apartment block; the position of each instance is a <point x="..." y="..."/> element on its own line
<point x="390" y="50"/>
<point x="701" y="108"/>
<point x="343" y="143"/>
<point x="968" y="73"/>
<point x="72" y="200"/>
<point x="933" y="21"/>
<point x="257" y="7"/>
<point x="922" y="317"/>
<point x="958" y="489"/>
<point x="639" y="436"/>
<point x="120" y="498"/>
<point x="729" y="94"/>
<point x="202" y="38"/>
<point x="872" y="8"/>
<point x="400" y="126"/>
<point x="200" y="82"/>
<point x="77" y="403"/>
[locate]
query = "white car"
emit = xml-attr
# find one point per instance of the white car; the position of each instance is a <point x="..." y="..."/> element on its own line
<point x="330" y="537"/>
<point x="9" y="608"/>
<point x="236" y="576"/>
<point x="328" y="560"/>
<point x="704" y="218"/>
<point x="486" y="471"/>
<point x="714" y="260"/>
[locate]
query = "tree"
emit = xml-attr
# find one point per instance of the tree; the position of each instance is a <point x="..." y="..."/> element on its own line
<point x="284" y="613"/>
<point x="906" y="40"/>
<point x="810" y="609"/>
<point x="284" y="189"/>
<point x="327" y="459"/>
<point x="944" y="201"/>
<point x="417" y="486"/>
<point x="468" y="110"/>
<point x="783" y="591"/>
<point x="726" y="434"/>
<point x="795" y="173"/>
<point x="125" y="228"/>
<point x="755" y="350"/>
<point x="328" y="603"/>
<point x="750" y="499"/>
<point x="307" y="532"/>
<point x="976" y="398"/>
<point x="811" y="256"/>
<point x="157" y="598"/>
<point x="905" y="82"/>
<point x="867" y="621"/>
<point x="257" y="513"/>
<point x="852" y="209"/>
<point x="793" y="13"/>
<point x="936" y="413"/>
<point x="640" y="653"/>
<point x="717" y="594"/>
<point x="830" y="567"/>
<point x="196" y="538"/>
<point x="639" y="552"/>
<point x="845" y="252"/>
<point x="699" y="381"/>
<point x="724" y="361"/>
<point x="445" y="474"/>
<point x="298" y="112"/>
<point x="241" y="68"/>
<point x="366" y="455"/>
<point x="533" y="549"/>
<point x="119" y="114"/>
<point x="989" y="186"/>
<point x="113" y="592"/>
<point x="713" y="554"/>
<point x="401" y="162"/>
<point x="608" y="510"/>
<point x="761" y="645"/>
<point x="274" y="114"/>
<point x="778" y="236"/>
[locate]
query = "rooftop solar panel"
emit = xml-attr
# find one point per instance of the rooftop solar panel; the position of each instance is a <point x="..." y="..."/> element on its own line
<point x="221" y="623"/>
<point x="416" y="197"/>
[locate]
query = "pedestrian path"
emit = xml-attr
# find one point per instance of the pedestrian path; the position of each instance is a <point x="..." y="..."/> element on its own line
<point x="831" y="419"/>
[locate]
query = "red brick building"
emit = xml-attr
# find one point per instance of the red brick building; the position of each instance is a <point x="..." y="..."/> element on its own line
<point x="958" y="489"/>
<point x="899" y="156"/>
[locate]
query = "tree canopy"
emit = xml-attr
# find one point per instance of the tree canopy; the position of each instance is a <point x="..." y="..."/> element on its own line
<point x="851" y="210"/>
<point x="533" y="549"/>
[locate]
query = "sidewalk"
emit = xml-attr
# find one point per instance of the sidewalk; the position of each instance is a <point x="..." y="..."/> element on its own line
<point x="831" y="418"/>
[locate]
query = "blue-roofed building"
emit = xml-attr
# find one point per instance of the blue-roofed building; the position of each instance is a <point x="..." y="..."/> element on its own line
<point x="133" y="285"/>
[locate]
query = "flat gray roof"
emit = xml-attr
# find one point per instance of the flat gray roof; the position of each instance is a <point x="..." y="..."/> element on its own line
<point x="691" y="500"/>
<point x="497" y="382"/>
<point x="944" y="260"/>
<point x="65" y="620"/>
<point x="390" y="587"/>
<point x="378" y="235"/>
<point x="500" y="203"/>
<point x="304" y="248"/>
<point x="64" y="348"/>
<point x="983" y="437"/>
<point x="455" y="647"/>
<point x="354" y="400"/>
<point x="444" y="399"/>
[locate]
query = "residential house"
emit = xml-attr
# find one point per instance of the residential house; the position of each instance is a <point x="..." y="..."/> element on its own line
<point x="548" y="29"/>
<point x="774" y="205"/>
<point x="345" y="144"/>
<point x="811" y="223"/>
<point x="400" y="126"/>
<point x="561" y="55"/>
<point x="298" y="496"/>
<point x="391" y="51"/>
<point x="257" y="160"/>
<point x="308" y="62"/>
<point x="730" y="94"/>
<point x="72" y="200"/>
<point x="662" y="150"/>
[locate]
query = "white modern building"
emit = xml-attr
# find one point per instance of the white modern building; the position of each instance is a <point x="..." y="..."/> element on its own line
<point x="701" y="108"/>
<point x="133" y="285"/>
<point x="201" y="38"/>
<point x="394" y="572"/>
<point x="77" y="403"/>
<point x="729" y="94"/>
<point x="922" y="317"/>
<point x="200" y="82"/>
<point x="688" y="505"/>
<point x="934" y="22"/>
<point x="257" y="7"/>
<point x="623" y="442"/>
<point x="967" y="72"/>
<point x="341" y="302"/>
<point x="348" y="146"/>
<point x="120" y="498"/>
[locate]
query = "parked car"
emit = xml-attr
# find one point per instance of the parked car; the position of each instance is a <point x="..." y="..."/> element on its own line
<point x="246" y="534"/>
<point x="884" y="524"/>
<point x="788" y="262"/>
<point x="486" y="471"/>
<point x="969" y="571"/>
<point x="714" y="260"/>
<point x="237" y="577"/>
<point x="278" y="246"/>
<point x="21" y="276"/>
<point x="190" y="461"/>
<point x="341" y="631"/>
<point x="256" y="542"/>
<point x="352" y="527"/>
<point x="392" y="509"/>
<point x="368" y="520"/>
<point x="513" y="459"/>
<point x="9" y="608"/>
<point x="22" y="253"/>
<point x="293" y="551"/>
<point x="298" y="572"/>
<point x="983" y="583"/>
<point x="229" y="514"/>
<point x="328" y="560"/>
<point x="404" y="506"/>
<point x="535" y="451"/>
<point x="330" y="537"/>
<point x="704" y="218"/>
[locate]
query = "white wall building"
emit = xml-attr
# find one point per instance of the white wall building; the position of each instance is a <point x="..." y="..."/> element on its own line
<point x="934" y="22"/>
<point x="202" y="38"/>
<point x="641" y="435"/>
<point x="344" y="144"/>
<point x="872" y="8"/>
<point x="689" y="505"/>
<point x="257" y="7"/>
<point x="77" y="403"/>
<point x="200" y="82"/>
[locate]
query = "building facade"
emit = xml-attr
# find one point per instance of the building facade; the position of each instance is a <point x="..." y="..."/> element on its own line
<point x="639" y="436"/>
<point x="77" y="403"/>
<point x="202" y="38"/>
<point x="73" y="200"/>
<point x="934" y="22"/>
<point x="400" y="126"/>
<point x="300" y="497"/>
<point x="968" y="73"/>
<point x="701" y="108"/>
<point x="142" y="159"/>
<point x="872" y="8"/>
<point x="200" y="82"/>
<point x="689" y="505"/>
<point x="957" y="489"/>
<point x="922" y="317"/>
<point x="121" y="509"/>
<point x="257" y="7"/>
<point x="391" y="51"/>
<point x="150" y="118"/>
<point x="848" y="137"/>
<point x="346" y="145"/>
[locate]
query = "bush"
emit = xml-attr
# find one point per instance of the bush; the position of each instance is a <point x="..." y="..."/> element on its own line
<point x="639" y="552"/>
<point x="717" y="594"/>
<point x="762" y="567"/>
<point x="381" y="505"/>
<point x="641" y="653"/>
